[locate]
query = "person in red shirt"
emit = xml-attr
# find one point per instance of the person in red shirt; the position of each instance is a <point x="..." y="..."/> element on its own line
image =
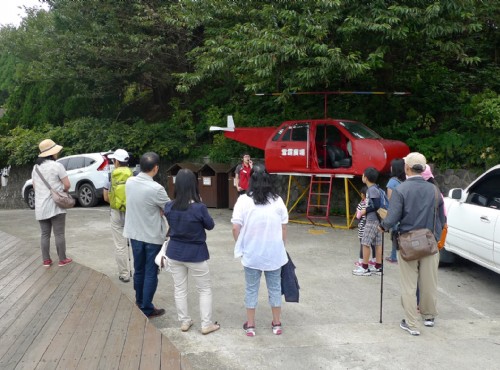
<point x="242" y="174"/>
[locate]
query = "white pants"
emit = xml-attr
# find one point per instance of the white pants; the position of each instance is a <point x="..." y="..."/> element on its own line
<point x="201" y="275"/>
<point x="121" y="254"/>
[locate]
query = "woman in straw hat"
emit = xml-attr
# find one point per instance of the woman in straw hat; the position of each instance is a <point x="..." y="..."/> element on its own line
<point x="48" y="214"/>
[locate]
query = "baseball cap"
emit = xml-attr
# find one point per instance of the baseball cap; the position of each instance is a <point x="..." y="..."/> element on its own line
<point x="416" y="161"/>
<point x="120" y="155"/>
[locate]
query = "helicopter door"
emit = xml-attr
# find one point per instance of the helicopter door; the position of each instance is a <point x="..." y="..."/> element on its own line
<point x="292" y="148"/>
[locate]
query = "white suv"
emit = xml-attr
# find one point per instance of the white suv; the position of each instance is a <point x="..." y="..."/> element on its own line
<point x="88" y="174"/>
<point x="474" y="221"/>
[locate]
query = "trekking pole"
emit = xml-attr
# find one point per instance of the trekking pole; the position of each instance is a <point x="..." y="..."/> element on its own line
<point x="129" y="260"/>
<point x="382" y="278"/>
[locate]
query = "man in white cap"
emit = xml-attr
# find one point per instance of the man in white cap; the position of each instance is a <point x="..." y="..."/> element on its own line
<point x="115" y="196"/>
<point x="413" y="205"/>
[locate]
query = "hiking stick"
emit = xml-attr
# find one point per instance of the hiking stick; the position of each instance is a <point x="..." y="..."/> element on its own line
<point x="129" y="260"/>
<point x="382" y="278"/>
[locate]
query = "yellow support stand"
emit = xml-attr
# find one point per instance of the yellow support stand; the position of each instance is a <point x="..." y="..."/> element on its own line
<point x="349" y="220"/>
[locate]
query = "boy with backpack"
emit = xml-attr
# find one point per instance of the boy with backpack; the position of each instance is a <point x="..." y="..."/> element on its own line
<point x="371" y="235"/>
<point x="115" y="196"/>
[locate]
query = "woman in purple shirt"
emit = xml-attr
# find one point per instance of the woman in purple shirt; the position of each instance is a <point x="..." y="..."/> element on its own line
<point x="187" y="249"/>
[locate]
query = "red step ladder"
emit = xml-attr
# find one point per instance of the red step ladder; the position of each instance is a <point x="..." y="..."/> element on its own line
<point x="318" y="202"/>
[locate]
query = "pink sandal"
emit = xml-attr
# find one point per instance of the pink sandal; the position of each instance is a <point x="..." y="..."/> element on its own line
<point x="277" y="330"/>
<point x="249" y="330"/>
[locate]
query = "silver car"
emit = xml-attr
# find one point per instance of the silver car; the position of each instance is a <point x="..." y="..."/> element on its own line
<point x="88" y="175"/>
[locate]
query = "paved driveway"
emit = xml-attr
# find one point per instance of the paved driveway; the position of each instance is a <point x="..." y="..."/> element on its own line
<point x="336" y="324"/>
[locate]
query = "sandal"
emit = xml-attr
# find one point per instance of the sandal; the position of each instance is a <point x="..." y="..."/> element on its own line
<point x="249" y="330"/>
<point x="210" y="328"/>
<point x="277" y="330"/>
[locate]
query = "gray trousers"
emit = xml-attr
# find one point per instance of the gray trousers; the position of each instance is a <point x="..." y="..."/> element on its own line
<point x="58" y="223"/>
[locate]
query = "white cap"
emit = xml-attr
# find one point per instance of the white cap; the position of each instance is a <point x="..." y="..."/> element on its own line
<point x="120" y="155"/>
<point x="415" y="161"/>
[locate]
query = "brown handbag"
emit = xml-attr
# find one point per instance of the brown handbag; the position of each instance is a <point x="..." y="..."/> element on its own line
<point x="61" y="198"/>
<point x="419" y="243"/>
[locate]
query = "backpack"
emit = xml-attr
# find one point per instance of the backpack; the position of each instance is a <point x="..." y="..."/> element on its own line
<point x="119" y="177"/>
<point x="384" y="204"/>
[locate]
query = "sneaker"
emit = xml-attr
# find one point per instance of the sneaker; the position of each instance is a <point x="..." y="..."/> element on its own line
<point x="374" y="270"/>
<point x="429" y="323"/>
<point x="124" y="279"/>
<point x="249" y="330"/>
<point x="360" y="271"/>
<point x="277" y="330"/>
<point x="358" y="263"/>
<point x="186" y="325"/>
<point x="405" y="326"/>
<point x="156" y="312"/>
<point x="47" y="263"/>
<point x="65" y="262"/>
<point x="390" y="260"/>
<point x="210" y="328"/>
<point x="371" y="263"/>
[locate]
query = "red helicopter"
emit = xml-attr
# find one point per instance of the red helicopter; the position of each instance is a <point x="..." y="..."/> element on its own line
<point x="320" y="146"/>
<point x="333" y="148"/>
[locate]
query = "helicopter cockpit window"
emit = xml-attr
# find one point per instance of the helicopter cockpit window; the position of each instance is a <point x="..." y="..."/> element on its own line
<point x="360" y="131"/>
<point x="278" y="134"/>
<point x="297" y="132"/>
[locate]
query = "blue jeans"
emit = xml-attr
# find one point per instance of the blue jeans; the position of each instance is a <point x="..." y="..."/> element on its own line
<point x="145" y="275"/>
<point x="273" y="282"/>
<point x="394" y="251"/>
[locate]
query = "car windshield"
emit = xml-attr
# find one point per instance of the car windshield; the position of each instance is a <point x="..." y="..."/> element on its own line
<point x="360" y="131"/>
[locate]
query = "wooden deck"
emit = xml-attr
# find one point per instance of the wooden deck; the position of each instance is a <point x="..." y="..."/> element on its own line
<point x="71" y="317"/>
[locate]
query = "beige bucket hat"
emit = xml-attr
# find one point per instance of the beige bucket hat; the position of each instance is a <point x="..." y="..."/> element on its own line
<point x="48" y="148"/>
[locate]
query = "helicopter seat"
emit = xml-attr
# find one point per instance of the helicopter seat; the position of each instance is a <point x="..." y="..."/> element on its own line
<point x="337" y="157"/>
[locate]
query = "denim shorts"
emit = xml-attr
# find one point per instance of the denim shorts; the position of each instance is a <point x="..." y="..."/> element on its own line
<point x="252" y="284"/>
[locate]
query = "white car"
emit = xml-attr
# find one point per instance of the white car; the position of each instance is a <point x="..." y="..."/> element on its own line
<point x="88" y="174"/>
<point x="474" y="221"/>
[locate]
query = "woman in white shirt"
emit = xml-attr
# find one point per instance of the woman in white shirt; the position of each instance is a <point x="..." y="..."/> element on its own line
<point x="48" y="214"/>
<point x="259" y="229"/>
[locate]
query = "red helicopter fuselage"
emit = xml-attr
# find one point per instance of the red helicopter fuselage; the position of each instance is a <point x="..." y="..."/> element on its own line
<point x="321" y="146"/>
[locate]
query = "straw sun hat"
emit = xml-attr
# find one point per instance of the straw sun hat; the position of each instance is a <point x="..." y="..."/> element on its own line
<point x="48" y="148"/>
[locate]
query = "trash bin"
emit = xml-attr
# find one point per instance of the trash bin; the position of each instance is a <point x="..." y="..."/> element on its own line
<point x="172" y="172"/>
<point x="213" y="184"/>
<point x="232" y="191"/>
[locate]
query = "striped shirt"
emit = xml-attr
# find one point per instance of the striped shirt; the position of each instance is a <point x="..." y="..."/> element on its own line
<point x="362" y="219"/>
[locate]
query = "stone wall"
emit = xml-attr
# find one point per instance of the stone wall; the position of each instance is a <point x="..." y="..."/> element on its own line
<point x="11" y="197"/>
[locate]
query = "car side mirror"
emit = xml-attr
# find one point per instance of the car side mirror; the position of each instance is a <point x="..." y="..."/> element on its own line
<point x="455" y="194"/>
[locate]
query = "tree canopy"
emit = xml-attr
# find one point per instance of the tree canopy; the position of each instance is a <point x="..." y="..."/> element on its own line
<point x="153" y="75"/>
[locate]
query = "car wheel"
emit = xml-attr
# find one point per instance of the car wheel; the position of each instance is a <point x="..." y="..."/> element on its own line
<point x="87" y="196"/>
<point x="446" y="258"/>
<point x="29" y="197"/>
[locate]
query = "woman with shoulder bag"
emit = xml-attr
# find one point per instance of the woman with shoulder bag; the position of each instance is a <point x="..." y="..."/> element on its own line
<point x="47" y="212"/>
<point x="187" y="250"/>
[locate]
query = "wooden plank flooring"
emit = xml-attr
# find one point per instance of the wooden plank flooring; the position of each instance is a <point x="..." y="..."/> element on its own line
<point x="72" y="317"/>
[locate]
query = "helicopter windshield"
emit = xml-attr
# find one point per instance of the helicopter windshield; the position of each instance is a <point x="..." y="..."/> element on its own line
<point x="360" y="131"/>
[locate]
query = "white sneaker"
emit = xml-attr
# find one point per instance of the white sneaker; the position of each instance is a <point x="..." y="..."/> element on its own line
<point x="429" y="322"/>
<point x="374" y="270"/>
<point x="360" y="271"/>
<point x="405" y="326"/>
